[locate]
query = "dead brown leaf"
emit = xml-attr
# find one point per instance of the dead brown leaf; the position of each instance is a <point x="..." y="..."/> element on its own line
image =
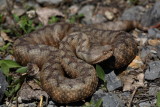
<point x="132" y="82"/>
<point x="45" y="13"/>
<point x="5" y="37"/>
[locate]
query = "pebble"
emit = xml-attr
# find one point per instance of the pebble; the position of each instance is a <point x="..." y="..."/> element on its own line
<point x="153" y="90"/>
<point x="154" y="33"/>
<point x="109" y="15"/>
<point x="109" y="99"/>
<point x="3" y="85"/>
<point x="136" y="63"/>
<point x="153" y="70"/>
<point x="133" y="13"/>
<point x="9" y="57"/>
<point x="113" y="82"/>
<point x="3" y="4"/>
<point x="98" y="18"/>
<point x="152" y="16"/>
<point x="87" y="11"/>
<point x="50" y="1"/>
<point x="145" y="104"/>
<point x="51" y="104"/>
<point x="154" y="42"/>
<point x="18" y="11"/>
<point x="1" y="41"/>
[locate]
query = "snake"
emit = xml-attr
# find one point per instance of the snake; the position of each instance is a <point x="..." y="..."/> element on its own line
<point x="66" y="53"/>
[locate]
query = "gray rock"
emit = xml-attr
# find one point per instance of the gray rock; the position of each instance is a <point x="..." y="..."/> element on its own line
<point x="145" y="104"/>
<point x="98" y="19"/>
<point x="150" y="53"/>
<point x="153" y="70"/>
<point x="158" y="51"/>
<point x="87" y="11"/>
<point x="133" y="13"/>
<point x="51" y="104"/>
<point x="2" y="4"/>
<point x="50" y="1"/>
<point x="153" y="90"/>
<point x="109" y="99"/>
<point x="113" y="82"/>
<point x="3" y="85"/>
<point x="154" y="33"/>
<point x="152" y="16"/>
<point x="1" y="41"/>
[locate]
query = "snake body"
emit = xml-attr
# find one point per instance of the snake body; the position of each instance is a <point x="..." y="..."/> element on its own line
<point x="65" y="54"/>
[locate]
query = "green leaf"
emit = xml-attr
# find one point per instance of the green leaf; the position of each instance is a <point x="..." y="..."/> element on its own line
<point x="10" y="63"/>
<point x="16" y="18"/>
<point x="158" y="99"/>
<point x="4" y="47"/>
<point x="17" y="87"/>
<point x="5" y="69"/>
<point x="100" y="72"/>
<point x="53" y="19"/>
<point x="99" y="103"/>
<point x="21" y="70"/>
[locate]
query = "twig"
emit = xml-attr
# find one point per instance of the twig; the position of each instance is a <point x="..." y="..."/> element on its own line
<point x="133" y="94"/>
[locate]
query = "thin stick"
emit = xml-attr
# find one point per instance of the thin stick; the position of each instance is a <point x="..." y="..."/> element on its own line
<point x="133" y="94"/>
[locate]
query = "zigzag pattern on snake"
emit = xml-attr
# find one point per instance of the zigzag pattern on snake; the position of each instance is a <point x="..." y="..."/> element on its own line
<point x="66" y="49"/>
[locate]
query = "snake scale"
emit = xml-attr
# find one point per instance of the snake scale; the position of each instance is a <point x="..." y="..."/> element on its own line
<point x="65" y="54"/>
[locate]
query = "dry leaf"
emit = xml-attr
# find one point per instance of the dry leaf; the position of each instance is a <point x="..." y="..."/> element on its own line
<point x="5" y="37"/>
<point x="133" y="81"/>
<point x="45" y="13"/>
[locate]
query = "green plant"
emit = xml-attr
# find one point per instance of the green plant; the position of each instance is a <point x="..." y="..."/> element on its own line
<point x="100" y="72"/>
<point x="94" y="104"/>
<point x="74" y="18"/>
<point x="1" y="18"/>
<point x="158" y="100"/>
<point x="53" y="19"/>
<point x="5" y="47"/>
<point x="15" y="82"/>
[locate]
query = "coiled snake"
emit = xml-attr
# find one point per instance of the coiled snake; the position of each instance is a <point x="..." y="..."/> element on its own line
<point x="64" y="53"/>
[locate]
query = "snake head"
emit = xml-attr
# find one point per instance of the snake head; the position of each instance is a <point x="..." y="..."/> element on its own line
<point x="96" y="54"/>
<point x="101" y="53"/>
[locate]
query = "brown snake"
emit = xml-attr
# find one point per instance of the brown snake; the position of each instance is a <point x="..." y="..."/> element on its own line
<point x="65" y="52"/>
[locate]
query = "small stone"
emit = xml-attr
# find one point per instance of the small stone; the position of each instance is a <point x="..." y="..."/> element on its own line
<point x="3" y="85"/>
<point x="133" y="13"/>
<point x="149" y="52"/>
<point x="154" y="42"/>
<point x="153" y="90"/>
<point x="109" y="15"/>
<point x="3" y="4"/>
<point x="113" y="82"/>
<point x="154" y="33"/>
<point x="145" y="104"/>
<point x="10" y="57"/>
<point x="50" y="1"/>
<point x="73" y="9"/>
<point x="153" y="70"/>
<point x="87" y="11"/>
<point x="1" y="41"/>
<point x="151" y="32"/>
<point x="18" y="11"/>
<point x="152" y="16"/>
<point x="136" y="63"/>
<point x="109" y="99"/>
<point x="51" y="103"/>
<point x="98" y="19"/>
